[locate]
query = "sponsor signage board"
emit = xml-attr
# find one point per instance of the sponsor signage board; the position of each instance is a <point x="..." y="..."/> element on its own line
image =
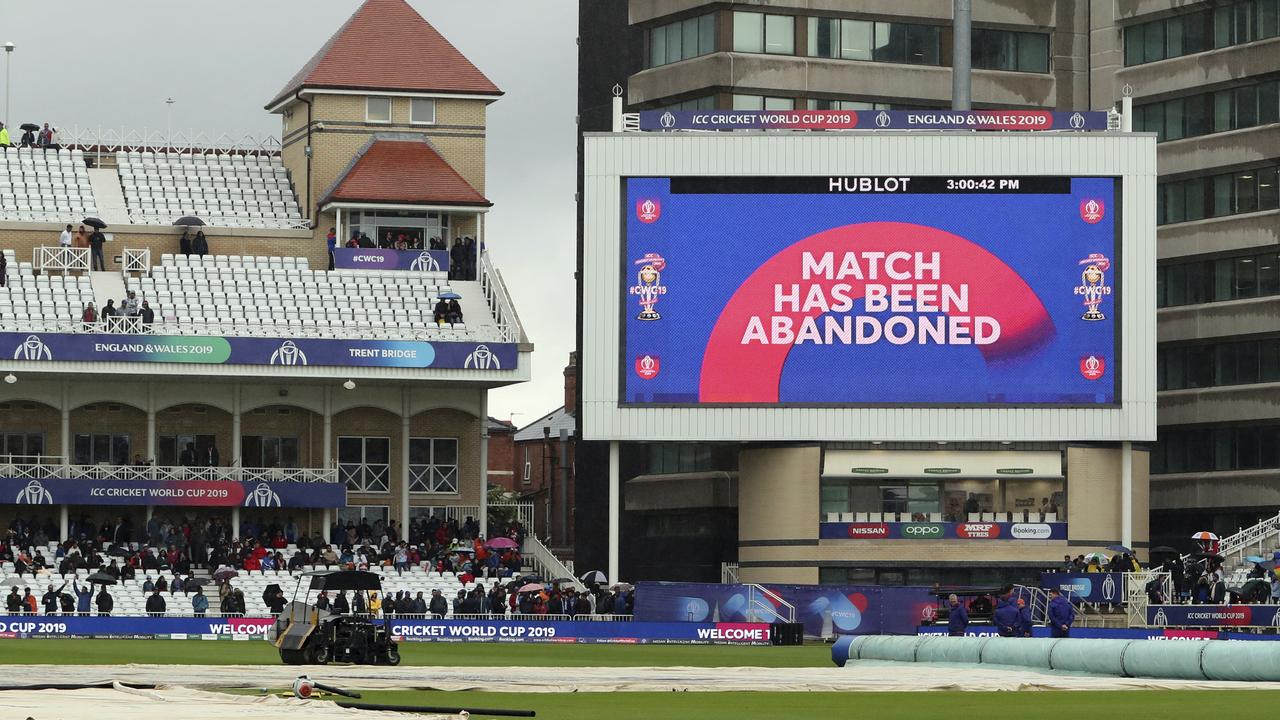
<point x="187" y="493"/>
<point x="202" y="350"/>
<point x="1025" y="120"/>
<point x="1214" y="615"/>
<point x="375" y="259"/>
<point x="942" y="531"/>
<point x="871" y="291"/>
<point x="1087" y="587"/>
<point x="727" y="633"/>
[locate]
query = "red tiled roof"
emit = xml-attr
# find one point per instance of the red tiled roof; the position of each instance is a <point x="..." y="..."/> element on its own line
<point x="387" y="45"/>
<point x="404" y="172"/>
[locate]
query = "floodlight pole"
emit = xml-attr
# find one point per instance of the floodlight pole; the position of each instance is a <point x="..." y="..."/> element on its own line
<point x="168" y="123"/>
<point x="8" y="54"/>
<point x="962" y="55"/>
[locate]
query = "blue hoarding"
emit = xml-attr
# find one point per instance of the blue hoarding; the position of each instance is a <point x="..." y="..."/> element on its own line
<point x="1087" y="587"/>
<point x="187" y="493"/>
<point x="375" y="259"/>
<point x="823" y="610"/>
<point x="406" y="630"/>
<point x="942" y="531"/>
<point x="1214" y="615"/>
<point x="925" y="290"/>
<point x="871" y="120"/>
<point x="204" y="350"/>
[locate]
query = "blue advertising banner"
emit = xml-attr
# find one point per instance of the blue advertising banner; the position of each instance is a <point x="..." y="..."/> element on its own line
<point x="1111" y="633"/>
<point x="187" y="493"/>
<point x="872" y="120"/>
<point x="518" y="631"/>
<point x="824" y="610"/>
<point x="1214" y="615"/>
<point x="373" y="259"/>
<point x="1087" y="587"/>
<point x="942" y="531"/>
<point x="913" y="291"/>
<point x="199" y="350"/>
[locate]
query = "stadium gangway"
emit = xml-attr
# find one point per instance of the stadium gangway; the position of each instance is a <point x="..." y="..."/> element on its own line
<point x="1242" y="541"/>
<point x="60" y="259"/>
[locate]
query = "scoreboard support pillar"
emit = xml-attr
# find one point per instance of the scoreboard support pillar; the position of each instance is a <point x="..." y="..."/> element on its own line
<point x="1126" y="494"/>
<point x="615" y="510"/>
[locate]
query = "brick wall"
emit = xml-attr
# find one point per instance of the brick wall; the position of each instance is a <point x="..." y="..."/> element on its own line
<point x="30" y="417"/>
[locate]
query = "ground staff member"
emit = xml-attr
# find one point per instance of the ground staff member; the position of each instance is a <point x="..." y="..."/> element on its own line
<point x="1061" y="614"/>
<point x="1005" y="617"/>
<point x="957" y="617"/>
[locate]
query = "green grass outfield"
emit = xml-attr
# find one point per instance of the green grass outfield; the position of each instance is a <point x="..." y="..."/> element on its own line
<point x="1103" y="705"/>
<point x="258" y="652"/>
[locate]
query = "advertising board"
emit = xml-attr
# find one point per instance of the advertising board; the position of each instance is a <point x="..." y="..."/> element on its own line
<point x="899" y="290"/>
<point x="187" y="493"/>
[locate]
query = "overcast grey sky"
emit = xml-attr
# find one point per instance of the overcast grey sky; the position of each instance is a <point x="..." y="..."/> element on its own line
<point x="113" y="63"/>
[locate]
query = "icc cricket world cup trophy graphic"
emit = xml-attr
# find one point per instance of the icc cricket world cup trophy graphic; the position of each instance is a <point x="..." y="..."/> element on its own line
<point x="649" y="288"/>
<point x="1093" y="285"/>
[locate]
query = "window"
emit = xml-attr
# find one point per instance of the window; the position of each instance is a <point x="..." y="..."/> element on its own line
<point x="759" y="102"/>
<point x="377" y="109"/>
<point x="422" y="111"/>
<point x="1244" y="191"/>
<point x="1194" y="32"/>
<point x="364" y="463"/>
<point x="102" y="449"/>
<point x="821" y="104"/>
<point x="706" y="102"/>
<point x="681" y="40"/>
<point x="671" y="458"/>
<point x="372" y="514"/>
<point x="17" y="446"/>
<point x="528" y="466"/>
<point x="1216" y="448"/>
<point x="1006" y="50"/>
<point x="761" y="33"/>
<point x="880" y="41"/>
<point x="1233" y="109"/>
<point x="269" y="451"/>
<point x="433" y="465"/>
<point x="169" y="449"/>
<point x="1182" y="366"/>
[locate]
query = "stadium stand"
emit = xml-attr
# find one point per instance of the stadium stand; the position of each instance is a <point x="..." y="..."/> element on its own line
<point x="257" y="295"/>
<point x="44" y="185"/>
<point x="227" y="190"/>
<point x="42" y="297"/>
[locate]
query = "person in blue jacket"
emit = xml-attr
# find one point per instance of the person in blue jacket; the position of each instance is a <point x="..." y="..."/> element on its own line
<point x="1005" y="618"/>
<point x="1061" y="614"/>
<point x="1025" y="623"/>
<point x="957" y="617"/>
<point x="83" y="596"/>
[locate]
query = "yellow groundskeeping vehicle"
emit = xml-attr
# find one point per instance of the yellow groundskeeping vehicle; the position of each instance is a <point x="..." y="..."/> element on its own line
<point x="308" y="635"/>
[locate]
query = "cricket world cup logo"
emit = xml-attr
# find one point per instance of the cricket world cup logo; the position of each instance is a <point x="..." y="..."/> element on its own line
<point x="1093" y="285"/>
<point x="649" y="288"/>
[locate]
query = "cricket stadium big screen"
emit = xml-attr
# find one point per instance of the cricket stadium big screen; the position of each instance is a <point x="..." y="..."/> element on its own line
<point x="925" y="290"/>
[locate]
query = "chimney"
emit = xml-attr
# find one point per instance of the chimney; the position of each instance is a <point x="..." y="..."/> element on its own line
<point x="571" y="384"/>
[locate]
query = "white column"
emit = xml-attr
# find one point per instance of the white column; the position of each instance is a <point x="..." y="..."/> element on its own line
<point x="151" y="424"/>
<point x="404" y="460"/>
<point x="615" y="511"/>
<point x="1126" y="494"/>
<point x="64" y="522"/>
<point x="235" y="521"/>
<point x="235" y="428"/>
<point x="327" y="453"/>
<point x="68" y="445"/>
<point x="484" y="464"/>
<point x="479" y="243"/>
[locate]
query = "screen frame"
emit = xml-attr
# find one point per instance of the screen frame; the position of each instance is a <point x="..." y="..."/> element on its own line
<point x="1115" y="217"/>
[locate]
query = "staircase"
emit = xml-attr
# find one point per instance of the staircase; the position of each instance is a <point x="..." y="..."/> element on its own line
<point x="546" y="564"/>
<point x="107" y="285"/>
<point x="1260" y="539"/>
<point x="108" y="194"/>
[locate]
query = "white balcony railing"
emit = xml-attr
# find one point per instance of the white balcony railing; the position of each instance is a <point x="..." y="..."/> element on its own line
<point x="499" y="301"/>
<point x="255" y="328"/>
<point x="60" y="259"/>
<point x="44" y="468"/>
<point x="135" y="261"/>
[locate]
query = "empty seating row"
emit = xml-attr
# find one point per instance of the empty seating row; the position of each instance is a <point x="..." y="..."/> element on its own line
<point x="44" y="186"/>
<point x="226" y="190"/>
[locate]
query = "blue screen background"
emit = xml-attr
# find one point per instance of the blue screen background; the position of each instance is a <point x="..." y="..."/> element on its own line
<point x="713" y="242"/>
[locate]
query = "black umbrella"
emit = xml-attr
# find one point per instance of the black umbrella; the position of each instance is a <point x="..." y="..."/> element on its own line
<point x="1120" y="549"/>
<point x="102" y="578"/>
<point x="561" y="581"/>
<point x="118" y="551"/>
<point x="1160" y="549"/>
<point x="224" y="575"/>
<point x="195" y="582"/>
<point x="1209" y="556"/>
<point x="189" y="220"/>
<point x="95" y="222"/>
<point x="29" y="126"/>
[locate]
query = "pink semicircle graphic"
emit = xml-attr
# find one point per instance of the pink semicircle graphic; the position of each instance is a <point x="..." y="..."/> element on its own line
<point x="733" y="372"/>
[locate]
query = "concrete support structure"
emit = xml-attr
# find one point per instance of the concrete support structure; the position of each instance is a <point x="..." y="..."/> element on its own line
<point x="68" y="446"/>
<point x="151" y="424"/>
<point x="236" y="448"/>
<point x="1126" y="494"/>
<point x="484" y="461"/>
<point x="327" y="454"/>
<point x="615" y="510"/>
<point x="962" y="55"/>
<point x="404" y="459"/>
<point x="64" y="523"/>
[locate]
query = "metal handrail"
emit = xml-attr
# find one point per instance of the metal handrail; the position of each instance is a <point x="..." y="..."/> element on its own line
<point x="262" y="223"/>
<point x="43" y="471"/>
<point x="101" y="142"/>
<point x="1236" y="543"/>
<point x="775" y="601"/>
<point x="498" y="299"/>
<point x="547" y="563"/>
<point x="133" y="325"/>
<point x="135" y="260"/>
